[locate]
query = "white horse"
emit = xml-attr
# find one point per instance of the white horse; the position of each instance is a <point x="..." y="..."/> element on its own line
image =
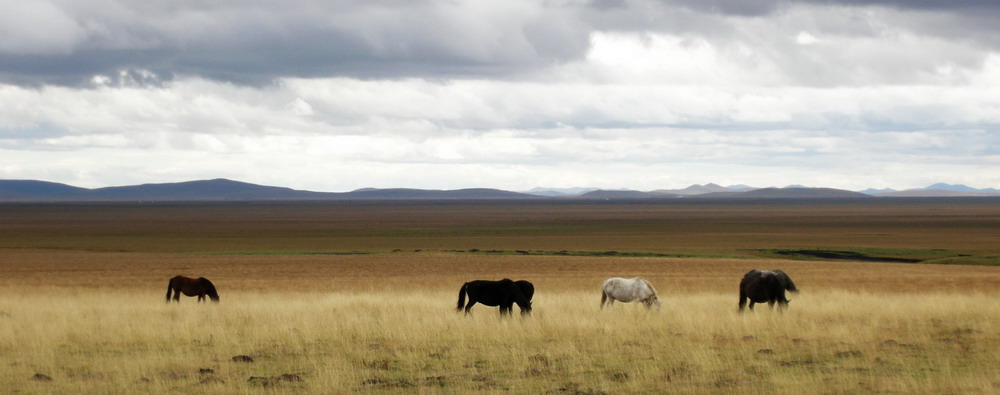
<point x="627" y="290"/>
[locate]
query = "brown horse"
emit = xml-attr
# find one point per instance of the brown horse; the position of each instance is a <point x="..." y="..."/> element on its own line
<point x="191" y="287"/>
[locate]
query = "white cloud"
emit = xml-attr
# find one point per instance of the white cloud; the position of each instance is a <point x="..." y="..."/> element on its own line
<point x="805" y="38"/>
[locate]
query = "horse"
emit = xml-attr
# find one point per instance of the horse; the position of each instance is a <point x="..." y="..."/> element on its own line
<point x="191" y="287"/>
<point x="769" y="286"/>
<point x="627" y="290"/>
<point x="504" y="293"/>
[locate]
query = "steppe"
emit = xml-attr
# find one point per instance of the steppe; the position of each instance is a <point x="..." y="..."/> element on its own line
<point x="897" y="296"/>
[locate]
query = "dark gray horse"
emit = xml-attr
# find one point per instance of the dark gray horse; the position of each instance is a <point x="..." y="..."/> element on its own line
<point x="765" y="286"/>
<point x="504" y="293"/>
<point x="199" y="287"/>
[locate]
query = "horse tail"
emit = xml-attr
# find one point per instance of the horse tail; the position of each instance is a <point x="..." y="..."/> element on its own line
<point x="461" y="297"/>
<point x="604" y="297"/>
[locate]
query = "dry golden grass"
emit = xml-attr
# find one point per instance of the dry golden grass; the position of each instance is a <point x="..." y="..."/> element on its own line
<point x="412" y="341"/>
<point x="82" y="300"/>
<point x="386" y="323"/>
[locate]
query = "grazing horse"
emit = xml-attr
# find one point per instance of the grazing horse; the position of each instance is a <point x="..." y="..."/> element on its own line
<point x="765" y="286"/>
<point x="503" y="293"/>
<point x="627" y="290"/>
<point x="192" y="287"/>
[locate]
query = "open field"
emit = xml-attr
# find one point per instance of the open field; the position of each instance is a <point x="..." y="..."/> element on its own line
<point x="360" y="297"/>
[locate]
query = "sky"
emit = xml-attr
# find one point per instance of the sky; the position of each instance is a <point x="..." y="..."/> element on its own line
<point x="339" y="95"/>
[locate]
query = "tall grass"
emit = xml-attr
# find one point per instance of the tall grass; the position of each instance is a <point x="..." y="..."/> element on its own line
<point x="90" y="340"/>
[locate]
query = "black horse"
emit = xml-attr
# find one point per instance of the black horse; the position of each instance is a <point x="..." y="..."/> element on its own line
<point x="192" y="287"/>
<point x="765" y="286"/>
<point x="503" y="293"/>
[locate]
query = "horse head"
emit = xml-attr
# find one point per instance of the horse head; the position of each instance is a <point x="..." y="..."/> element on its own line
<point x="651" y="301"/>
<point x="210" y="290"/>
<point x="525" y="308"/>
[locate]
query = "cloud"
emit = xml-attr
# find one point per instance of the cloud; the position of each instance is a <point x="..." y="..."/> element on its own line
<point x="21" y="33"/>
<point x="457" y="132"/>
<point x="257" y="42"/>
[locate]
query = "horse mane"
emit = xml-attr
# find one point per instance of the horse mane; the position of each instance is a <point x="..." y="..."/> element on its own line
<point x="648" y="284"/>
<point x="785" y="281"/>
<point x="519" y="298"/>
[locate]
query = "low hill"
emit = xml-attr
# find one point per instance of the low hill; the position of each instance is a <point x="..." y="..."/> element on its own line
<point x="559" y="192"/>
<point x="936" y="193"/>
<point x="406" y="193"/>
<point x="787" y="193"/>
<point x="623" y="194"/>
<point x="38" y="190"/>
<point x="217" y="189"/>
<point x="936" y="190"/>
<point x="695" y="189"/>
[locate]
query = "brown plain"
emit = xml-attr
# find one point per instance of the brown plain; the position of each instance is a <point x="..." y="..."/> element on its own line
<point x="329" y="246"/>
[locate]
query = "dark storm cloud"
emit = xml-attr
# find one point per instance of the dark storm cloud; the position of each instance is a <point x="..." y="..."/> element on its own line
<point x="255" y="41"/>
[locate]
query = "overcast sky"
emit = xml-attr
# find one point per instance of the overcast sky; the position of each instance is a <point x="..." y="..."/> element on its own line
<point x="339" y="95"/>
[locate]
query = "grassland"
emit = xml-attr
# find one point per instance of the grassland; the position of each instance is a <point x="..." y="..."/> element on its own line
<point x="360" y="297"/>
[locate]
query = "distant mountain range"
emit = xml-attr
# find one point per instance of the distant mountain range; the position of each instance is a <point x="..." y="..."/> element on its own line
<point x="228" y="190"/>
<point x="936" y="190"/>
<point x="222" y="190"/>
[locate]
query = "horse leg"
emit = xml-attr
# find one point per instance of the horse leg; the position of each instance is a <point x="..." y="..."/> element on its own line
<point x="751" y="304"/>
<point x="782" y="304"/>
<point x="469" y="306"/>
<point x="201" y="298"/>
<point x="505" y="309"/>
<point x="770" y="304"/>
